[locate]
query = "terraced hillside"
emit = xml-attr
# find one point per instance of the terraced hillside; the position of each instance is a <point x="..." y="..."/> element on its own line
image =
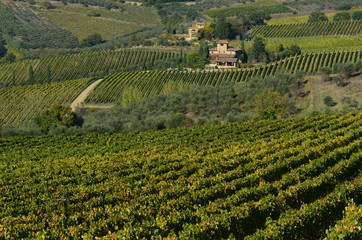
<point x="352" y="27"/>
<point x="151" y="83"/>
<point x="83" y="21"/>
<point x="31" y="30"/>
<point x="20" y="104"/>
<point x="284" y="179"/>
<point x="75" y="66"/>
<point x="265" y="6"/>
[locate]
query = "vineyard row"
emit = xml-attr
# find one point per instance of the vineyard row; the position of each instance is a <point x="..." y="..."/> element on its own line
<point x="151" y="83"/>
<point x="352" y="27"/>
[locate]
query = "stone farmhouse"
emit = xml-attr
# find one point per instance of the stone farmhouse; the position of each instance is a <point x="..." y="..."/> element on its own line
<point x="223" y="56"/>
<point x="193" y="32"/>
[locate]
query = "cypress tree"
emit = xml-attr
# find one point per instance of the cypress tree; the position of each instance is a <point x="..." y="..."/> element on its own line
<point x="31" y="75"/>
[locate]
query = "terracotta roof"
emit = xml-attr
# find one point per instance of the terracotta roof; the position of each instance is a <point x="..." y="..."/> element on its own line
<point x="227" y="60"/>
<point x="225" y="55"/>
<point x="213" y="49"/>
<point x="234" y="49"/>
<point x="223" y="42"/>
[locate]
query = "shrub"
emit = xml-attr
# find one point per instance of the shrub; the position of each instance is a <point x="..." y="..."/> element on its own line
<point x="357" y="15"/>
<point x="328" y="101"/>
<point x="58" y="116"/>
<point x="317" y="17"/>
<point x="342" y="16"/>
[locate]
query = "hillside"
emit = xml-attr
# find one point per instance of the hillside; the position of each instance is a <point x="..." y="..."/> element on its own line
<point x="83" y="21"/>
<point x="291" y="179"/>
<point x="20" y="104"/>
<point x="80" y="65"/>
<point x="342" y="96"/>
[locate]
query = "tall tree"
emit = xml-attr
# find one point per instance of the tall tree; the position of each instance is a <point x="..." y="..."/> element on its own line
<point x="31" y="75"/>
<point x="258" y="50"/>
<point x="3" y="49"/>
<point x="49" y="78"/>
<point x="222" y="29"/>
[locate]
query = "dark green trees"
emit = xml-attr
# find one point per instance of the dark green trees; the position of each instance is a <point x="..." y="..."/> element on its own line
<point x="57" y="116"/>
<point x="222" y="29"/>
<point x="342" y="16"/>
<point x="3" y="49"/>
<point x="258" y="51"/>
<point x="31" y="75"/>
<point x="317" y="17"/>
<point x="92" y="40"/>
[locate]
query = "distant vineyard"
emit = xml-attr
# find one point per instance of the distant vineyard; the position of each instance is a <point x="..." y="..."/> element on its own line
<point x="151" y="83"/>
<point x="246" y="9"/>
<point x="309" y="29"/>
<point x="22" y="103"/>
<point x="74" y="66"/>
<point x="32" y="30"/>
<point x="285" y="179"/>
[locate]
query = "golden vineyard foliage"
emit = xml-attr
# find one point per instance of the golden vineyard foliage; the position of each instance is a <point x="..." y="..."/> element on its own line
<point x="279" y="179"/>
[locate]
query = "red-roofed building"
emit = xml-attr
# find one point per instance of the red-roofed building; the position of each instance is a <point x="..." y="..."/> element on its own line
<point x="224" y="56"/>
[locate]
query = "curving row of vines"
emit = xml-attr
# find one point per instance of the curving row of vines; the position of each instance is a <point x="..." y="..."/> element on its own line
<point x="283" y="179"/>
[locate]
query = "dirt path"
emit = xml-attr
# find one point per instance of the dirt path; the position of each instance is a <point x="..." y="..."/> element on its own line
<point x="80" y="99"/>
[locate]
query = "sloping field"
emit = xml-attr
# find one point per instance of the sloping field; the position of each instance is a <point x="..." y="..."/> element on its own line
<point x="308" y="44"/>
<point x="22" y="103"/>
<point x="82" y="26"/>
<point x="151" y="83"/>
<point x="74" y="66"/>
<point x="340" y="28"/>
<point x="284" y="179"/>
<point x="304" y="18"/>
<point x="31" y="30"/>
<point x="267" y="6"/>
<point x="83" y="21"/>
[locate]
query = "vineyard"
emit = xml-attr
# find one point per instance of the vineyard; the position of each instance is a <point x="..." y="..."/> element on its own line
<point x="352" y="27"/>
<point x="151" y="83"/>
<point x="266" y="6"/>
<point x="34" y="31"/>
<point x="283" y="179"/>
<point x="81" y="65"/>
<point x="22" y="103"/>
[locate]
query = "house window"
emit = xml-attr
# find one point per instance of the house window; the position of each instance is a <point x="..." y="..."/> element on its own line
<point x="221" y="45"/>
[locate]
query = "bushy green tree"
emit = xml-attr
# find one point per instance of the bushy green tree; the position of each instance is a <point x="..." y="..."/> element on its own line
<point x="92" y="40"/>
<point x="295" y="50"/>
<point x="10" y="57"/>
<point x="222" y="29"/>
<point x="317" y="17"/>
<point x="207" y="32"/>
<point x="357" y="15"/>
<point x="258" y="50"/>
<point x="344" y="6"/>
<point x="328" y="101"/>
<point x="57" y="116"/>
<point x="342" y="16"/>
<point x="131" y="95"/>
<point x="269" y="105"/>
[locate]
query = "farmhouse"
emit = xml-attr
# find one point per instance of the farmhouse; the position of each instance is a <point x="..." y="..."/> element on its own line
<point x="193" y="32"/>
<point x="224" y="56"/>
